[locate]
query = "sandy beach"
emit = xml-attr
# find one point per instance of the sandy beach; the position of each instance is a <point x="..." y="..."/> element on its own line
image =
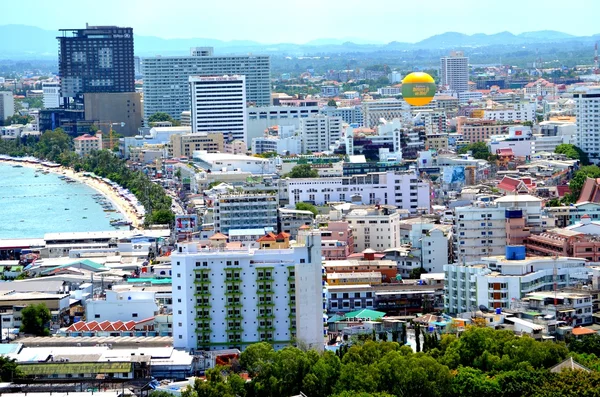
<point x="126" y="208"/>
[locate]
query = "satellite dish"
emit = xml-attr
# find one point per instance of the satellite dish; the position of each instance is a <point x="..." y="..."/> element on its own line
<point x="484" y="308"/>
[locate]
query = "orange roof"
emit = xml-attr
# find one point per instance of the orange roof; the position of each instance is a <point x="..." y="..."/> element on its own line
<point x="218" y="236"/>
<point x="268" y="237"/>
<point x="304" y="227"/>
<point x="282" y="236"/>
<point x="583" y="331"/>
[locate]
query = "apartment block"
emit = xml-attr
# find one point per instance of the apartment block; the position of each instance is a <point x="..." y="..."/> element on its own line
<point x="587" y="103"/>
<point x="479" y="230"/>
<point x="232" y="298"/>
<point x="319" y="133"/>
<point x="377" y="228"/>
<point x="454" y="72"/>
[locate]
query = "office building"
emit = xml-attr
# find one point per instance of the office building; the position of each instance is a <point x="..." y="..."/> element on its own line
<point x="262" y="118"/>
<point x="245" y="211"/>
<point x="51" y="94"/>
<point x="232" y="298"/>
<point x="7" y="105"/>
<point x="454" y="72"/>
<point x="319" y="133"/>
<point x="219" y="105"/>
<point x="166" y="87"/>
<point x="95" y="59"/>
<point x="120" y="110"/>
<point x="588" y="121"/>
<point x="351" y="114"/>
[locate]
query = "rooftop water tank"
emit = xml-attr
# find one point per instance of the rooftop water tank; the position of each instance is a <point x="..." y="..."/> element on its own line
<point x="515" y="252"/>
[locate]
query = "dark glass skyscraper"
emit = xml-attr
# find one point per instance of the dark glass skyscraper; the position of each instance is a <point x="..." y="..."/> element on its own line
<point x="96" y="59"/>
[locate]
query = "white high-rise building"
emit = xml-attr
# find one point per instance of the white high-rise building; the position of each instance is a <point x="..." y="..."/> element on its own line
<point x="479" y="230"/>
<point x="320" y="132"/>
<point x="51" y="90"/>
<point x="377" y="228"/>
<point x="166" y="87"/>
<point x="454" y="71"/>
<point x="587" y="102"/>
<point x="7" y="105"/>
<point x="232" y="298"/>
<point x="219" y="105"/>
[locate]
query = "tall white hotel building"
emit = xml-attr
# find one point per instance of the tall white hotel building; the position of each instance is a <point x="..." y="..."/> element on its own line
<point x="219" y="105"/>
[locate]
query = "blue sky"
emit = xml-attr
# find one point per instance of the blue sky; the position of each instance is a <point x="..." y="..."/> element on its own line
<point x="271" y="21"/>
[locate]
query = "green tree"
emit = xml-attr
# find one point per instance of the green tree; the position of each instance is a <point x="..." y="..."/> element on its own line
<point x="332" y="102"/>
<point x="9" y="370"/>
<point x="160" y="116"/>
<point x="52" y="144"/>
<point x="478" y="149"/>
<point x="307" y="207"/>
<point x="35" y="320"/>
<point x="163" y="217"/>
<point x="573" y="152"/>
<point x="470" y="382"/>
<point x="303" y="171"/>
<point x="416" y="273"/>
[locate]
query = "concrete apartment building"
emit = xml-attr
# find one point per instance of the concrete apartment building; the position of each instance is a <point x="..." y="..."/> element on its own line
<point x="454" y="72"/>
<point x="184" y="145"/>
<point x="374" y="227"/>
<point x="121" y="109"/>
<point x="337" y="240"/>
<point x="497" y="281"/>
<point x="350" y="114"/>
<point x="219" y="105"/>
<point x="587" y="102"/>
<point x="122" y="306"/>
<point x="518" y="112"/>
<point x="402" y="189"/>
<point x="479" y="230"/>
<point x="319" y="133"/>
<point x="232" y="298"/>
<point x="245" y="211"/>
<point x="478" y="130"/>
<point x="291" y="220"/>
<point x="7" y="104"/>
<point x="166" y="87"/>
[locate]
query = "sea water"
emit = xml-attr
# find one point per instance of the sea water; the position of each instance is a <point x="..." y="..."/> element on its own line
<point x="31" y="206"/>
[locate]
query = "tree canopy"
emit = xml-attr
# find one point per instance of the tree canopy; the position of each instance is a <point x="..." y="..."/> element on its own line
<point x="307" y="207"/>
<point x="573" y="152"/>
<point x="478" y="149"/>
<point x="161" y="116"/>
<point x="481" y="362"/>
<point x="303" y="171"/>
<point x="35" y="319"/>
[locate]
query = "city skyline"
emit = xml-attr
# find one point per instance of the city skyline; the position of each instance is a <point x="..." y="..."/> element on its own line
<point x="310" y="20"/>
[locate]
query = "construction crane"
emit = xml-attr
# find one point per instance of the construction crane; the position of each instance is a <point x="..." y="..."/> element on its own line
<point x="101" y="123"/>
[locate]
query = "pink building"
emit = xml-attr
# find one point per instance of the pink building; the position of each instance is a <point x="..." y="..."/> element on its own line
<point x="337" y="241"/>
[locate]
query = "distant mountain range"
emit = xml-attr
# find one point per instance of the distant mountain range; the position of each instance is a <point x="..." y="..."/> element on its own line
<point x="27" y="42"/>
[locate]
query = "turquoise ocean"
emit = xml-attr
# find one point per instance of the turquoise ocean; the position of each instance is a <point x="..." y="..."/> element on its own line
<point x="31" y="206"/>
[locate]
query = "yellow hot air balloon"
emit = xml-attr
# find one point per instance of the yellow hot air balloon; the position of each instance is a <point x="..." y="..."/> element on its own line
<point x="418" y="88"/>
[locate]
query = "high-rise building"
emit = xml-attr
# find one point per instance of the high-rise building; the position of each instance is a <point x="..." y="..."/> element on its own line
<point x="454" y="71"/>
<point x="586" y="105"/>
<point x="320" y="132"/>
<point x="95" y="59"/>
<point x="218" y="104"/>
<point x="225" y="298"/>
<point x="51" y="91"/>
<point x="7" y="105"/>
<point x="166" y="87"/>
<point x="121" y="109"/>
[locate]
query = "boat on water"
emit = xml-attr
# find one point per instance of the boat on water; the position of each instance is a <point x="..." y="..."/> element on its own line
<point x="17" y="166"/>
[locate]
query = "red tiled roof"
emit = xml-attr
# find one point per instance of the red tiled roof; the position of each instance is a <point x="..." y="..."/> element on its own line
<point x="590" y="191"/>
<point x="268" y="237"/>
<point x="218" y="236"/>
<point x="505" y="152"/>
<point x="509" y="184"/>
<point x="82" y="326"/>
<point x="583" y="331"/>
<point x="561" y="190"/>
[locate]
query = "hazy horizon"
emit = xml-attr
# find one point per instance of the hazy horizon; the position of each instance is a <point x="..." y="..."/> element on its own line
<point x="269" y="21"/>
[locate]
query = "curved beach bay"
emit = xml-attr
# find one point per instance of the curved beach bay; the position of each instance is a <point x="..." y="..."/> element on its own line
<point x="31" y="205"/>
